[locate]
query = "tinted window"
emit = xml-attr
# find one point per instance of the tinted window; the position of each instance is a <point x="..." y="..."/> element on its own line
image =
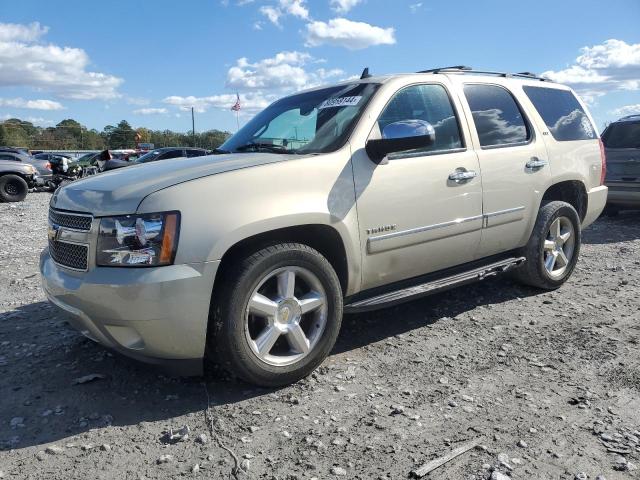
<point x="561" y="112"/>
<point x="4" y="156"/>
<point x="431" y="104"/>
<point x="171" y="154"/>
<point x="498" y="119"/>
<point x="195" y="153"/>
<point x="622" y="135"/>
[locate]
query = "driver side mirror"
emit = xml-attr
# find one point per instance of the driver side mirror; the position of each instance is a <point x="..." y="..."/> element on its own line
<point x="401" y="136"/>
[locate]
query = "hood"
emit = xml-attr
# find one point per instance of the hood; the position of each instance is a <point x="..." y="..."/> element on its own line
<point x="119" y="192"/>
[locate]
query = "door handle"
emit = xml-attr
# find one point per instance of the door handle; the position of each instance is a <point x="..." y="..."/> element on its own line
<point x="462" y="175"/>
<point x="535" y="163"/>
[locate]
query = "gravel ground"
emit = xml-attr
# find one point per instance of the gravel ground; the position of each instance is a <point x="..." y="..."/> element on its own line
<point x="548" y="383"/>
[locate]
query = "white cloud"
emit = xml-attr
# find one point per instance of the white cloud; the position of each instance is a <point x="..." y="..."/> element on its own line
<point x="61" y="70"/>
<point x="627" y="110"/>
<point x="343" y="6"/>
<point x="348" y="34"/>
<point x="253" y="102"/>
<point x="414" y="7"/>
<point x="30" y="104"/>
<point x="612" y="65"/>
<point x="297" y="8"/>
<point x="17" y="32"/>
<point x="150" y="111"/>
<point x="284" y="72"/>
<point x="39" y="121"/>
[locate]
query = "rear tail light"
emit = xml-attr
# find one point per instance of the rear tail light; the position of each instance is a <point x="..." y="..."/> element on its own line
<point x="603" y="158"/>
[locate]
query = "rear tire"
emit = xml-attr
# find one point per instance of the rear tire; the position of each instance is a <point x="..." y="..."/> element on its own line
<point x="276" y="315"/>
<point x="13" y="188"/>
<point x="553" y="248"/>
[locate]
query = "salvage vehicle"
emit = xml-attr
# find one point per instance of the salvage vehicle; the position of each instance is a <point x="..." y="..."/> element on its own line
<point x="42" y="166"/>
<point x="15" y="180"/>
<point x="622" y="148"/>
<point x="342" y="198"/>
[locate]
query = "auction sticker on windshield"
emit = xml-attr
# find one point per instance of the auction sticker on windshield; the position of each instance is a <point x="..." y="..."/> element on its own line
<point x="340" y="102"/>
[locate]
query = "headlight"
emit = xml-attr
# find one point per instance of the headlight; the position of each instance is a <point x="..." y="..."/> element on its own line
<point x="138" y="240"/>
<point x="32" y="169"/>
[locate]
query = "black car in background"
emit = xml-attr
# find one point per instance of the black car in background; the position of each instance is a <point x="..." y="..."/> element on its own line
<point x="621" y="141"/>
<point x="171" y="152"/>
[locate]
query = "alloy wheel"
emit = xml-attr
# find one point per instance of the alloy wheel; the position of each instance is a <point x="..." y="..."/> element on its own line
<point x="285" y="316"/>
<point x="559" y="247"/>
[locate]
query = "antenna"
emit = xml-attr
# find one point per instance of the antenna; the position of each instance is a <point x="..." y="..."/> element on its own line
<point x="365" y="74"/>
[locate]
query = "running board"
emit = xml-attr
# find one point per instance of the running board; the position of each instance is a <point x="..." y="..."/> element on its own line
<point x="411" y="293"/>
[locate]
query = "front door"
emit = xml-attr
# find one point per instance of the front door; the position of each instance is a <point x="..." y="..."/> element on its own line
<point x="413" y="218"/>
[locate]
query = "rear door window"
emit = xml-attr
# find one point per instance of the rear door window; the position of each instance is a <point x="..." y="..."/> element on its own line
<point x="622" y="135"/>
<point x="498" y="118"/>
<point x="564" y="116"/>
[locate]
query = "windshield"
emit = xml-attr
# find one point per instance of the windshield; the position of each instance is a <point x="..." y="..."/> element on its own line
<point x="149" y="157"/>
<point x="622" y="135"/>
<point x="314" y="122"/>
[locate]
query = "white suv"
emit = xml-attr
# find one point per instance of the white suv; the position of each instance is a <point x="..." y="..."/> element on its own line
<point x="349" y="197"/>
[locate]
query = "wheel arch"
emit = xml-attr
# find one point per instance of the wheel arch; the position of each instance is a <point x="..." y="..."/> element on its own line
<point x="321" y="237"/>
<point x="572" y="192"/>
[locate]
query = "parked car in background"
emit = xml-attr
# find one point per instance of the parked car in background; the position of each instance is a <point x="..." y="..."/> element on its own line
<point x="404" y="185"/>
<point x="43" y="167"/>
<point x="621" y="141"/>
<point x="171" y="152"/>
<point x="16" y="178"/>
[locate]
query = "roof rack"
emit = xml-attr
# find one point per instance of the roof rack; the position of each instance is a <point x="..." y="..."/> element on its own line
<point x="465" y="69"/>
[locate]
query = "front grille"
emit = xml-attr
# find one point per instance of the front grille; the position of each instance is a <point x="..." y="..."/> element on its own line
<point x="69" y="254"/>
<point x="75" y="221"/>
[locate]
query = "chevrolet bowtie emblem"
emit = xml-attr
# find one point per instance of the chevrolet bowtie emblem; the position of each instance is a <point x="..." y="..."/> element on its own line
<point x="54" y="232"/>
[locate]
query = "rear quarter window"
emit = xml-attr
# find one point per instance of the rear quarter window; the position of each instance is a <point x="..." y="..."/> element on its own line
<point x="562" y="114"/>
<point x="622" y="135"/>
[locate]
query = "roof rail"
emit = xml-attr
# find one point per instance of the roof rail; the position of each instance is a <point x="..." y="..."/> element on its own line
<point x="439" y="69"/>
<point x="633" y="115"/>
<point x="464" y="69"/>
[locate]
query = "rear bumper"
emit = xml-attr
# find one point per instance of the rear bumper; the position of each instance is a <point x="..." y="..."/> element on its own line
<point x="597" y="199"/>
<point x="624" y="194"/>
<point x="156" y="315"/>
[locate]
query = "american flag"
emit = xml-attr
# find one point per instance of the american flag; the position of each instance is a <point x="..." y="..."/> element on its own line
<point x="236" y="106"/>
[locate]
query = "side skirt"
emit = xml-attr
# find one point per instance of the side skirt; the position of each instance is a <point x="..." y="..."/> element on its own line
<point x="424" y="286"/>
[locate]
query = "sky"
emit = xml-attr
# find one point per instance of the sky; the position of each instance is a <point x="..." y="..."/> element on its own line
<point x="149" y="61"/>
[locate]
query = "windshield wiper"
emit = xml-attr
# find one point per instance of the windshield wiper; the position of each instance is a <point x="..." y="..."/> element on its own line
<point x="268" y="147"/>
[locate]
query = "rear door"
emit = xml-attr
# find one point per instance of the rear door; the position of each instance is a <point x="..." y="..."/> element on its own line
<point x="513" y="161"/>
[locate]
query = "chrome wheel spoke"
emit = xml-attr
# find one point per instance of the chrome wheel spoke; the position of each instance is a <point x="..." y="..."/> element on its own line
<point x="549" y="245"/>
<point x="262" y="306"/>
<point x="555" y="228"/>
<point x="550" y="261"/>
<point x="298" y="339"/>
<point x="286" y="284"/>
<point x="565" y="236"/>
<point x="266" y="340"/>
<point x="310" y="302"/>
<point x="563" y="261"/>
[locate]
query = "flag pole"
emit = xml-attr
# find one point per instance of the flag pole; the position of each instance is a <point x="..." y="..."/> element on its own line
<point x="238" y="119"/>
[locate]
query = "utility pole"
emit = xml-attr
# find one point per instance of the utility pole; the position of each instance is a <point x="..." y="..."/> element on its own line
<point x="193" y="127"/>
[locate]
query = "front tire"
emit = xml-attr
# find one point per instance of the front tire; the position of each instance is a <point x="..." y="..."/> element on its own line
<point x="553" y="248"/>
<point x="276" y="315"/>
<point x="13" y="188"/>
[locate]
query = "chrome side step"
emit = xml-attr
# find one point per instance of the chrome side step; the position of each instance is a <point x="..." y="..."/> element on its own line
<point x="411" y="293"/>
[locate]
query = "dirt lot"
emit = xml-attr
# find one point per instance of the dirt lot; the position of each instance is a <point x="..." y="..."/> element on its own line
<point x="549" y="383"/>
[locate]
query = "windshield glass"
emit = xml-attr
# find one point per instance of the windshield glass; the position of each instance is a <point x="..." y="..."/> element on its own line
<point x="314" y="122"/>
<point x="149" y="157"/>
<point x="622" y="135"/>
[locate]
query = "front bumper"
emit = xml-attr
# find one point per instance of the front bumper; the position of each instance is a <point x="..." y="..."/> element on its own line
<point x="156" y="315"/>
<point x="596" y="200"/>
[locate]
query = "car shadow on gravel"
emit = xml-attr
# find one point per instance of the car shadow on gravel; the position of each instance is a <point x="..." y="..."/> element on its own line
<point x="45" y="356"/>
<point x="623" y="227"/>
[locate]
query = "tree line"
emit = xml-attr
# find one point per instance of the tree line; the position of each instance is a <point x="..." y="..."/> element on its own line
<point x="71" y="135"/>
